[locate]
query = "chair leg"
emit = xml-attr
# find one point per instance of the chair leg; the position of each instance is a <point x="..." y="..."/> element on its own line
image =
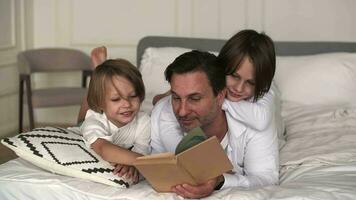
<point x="29" y="102"/>
<point x="21" y="105"/>
<point x="85" y="75"/>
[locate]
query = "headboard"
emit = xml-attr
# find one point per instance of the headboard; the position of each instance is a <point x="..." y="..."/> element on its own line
<point x="296" y="67"/>
<point x="282" y="48"/>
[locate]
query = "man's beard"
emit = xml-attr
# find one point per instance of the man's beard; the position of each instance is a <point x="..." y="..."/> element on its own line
<point x="184" y="128"/>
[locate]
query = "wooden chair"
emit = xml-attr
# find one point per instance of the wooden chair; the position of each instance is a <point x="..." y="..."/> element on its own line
<point x="50" y="60"/>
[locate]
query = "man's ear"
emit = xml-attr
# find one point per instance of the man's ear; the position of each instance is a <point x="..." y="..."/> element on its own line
<point x="221" y="96"/>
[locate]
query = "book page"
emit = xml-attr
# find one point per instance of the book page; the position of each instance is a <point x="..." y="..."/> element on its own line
<point x="163" y="176"/>
<point x="205" y="160"/>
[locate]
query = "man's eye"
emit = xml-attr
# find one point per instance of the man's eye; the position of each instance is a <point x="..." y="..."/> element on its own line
<point x="175" y="97"/>
<point x="195" y="98"/>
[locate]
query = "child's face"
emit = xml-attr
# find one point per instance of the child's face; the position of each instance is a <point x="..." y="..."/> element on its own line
<point x="241" y="84"/>
<point x="121" y="101"/>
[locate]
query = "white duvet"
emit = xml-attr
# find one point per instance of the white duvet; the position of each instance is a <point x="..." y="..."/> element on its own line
<point x="319" y="135"/>
<point x="318" y="161"/>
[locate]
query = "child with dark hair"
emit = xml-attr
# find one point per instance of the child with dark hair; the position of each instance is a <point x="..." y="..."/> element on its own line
<point x="252" y="98"/>
<point x="249" y="62"/>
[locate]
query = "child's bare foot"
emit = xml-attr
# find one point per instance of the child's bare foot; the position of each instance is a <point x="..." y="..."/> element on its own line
<point x="98" y="55"/>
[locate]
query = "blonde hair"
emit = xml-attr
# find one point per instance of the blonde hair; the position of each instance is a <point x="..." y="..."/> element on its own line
<point x="106" y="71"/>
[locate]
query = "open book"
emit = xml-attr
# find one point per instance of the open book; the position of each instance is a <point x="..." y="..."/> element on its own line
<point x="195" y="165"/>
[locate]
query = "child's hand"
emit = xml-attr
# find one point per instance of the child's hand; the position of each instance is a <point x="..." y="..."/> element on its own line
<point x="129" y="172"/>
<point x="159" y="97"/>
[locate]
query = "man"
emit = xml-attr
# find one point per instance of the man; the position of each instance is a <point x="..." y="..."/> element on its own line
<point x="197" y="98"/>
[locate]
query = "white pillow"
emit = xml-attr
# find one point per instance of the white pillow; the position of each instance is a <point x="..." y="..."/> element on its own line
<point x="153" y="64"/>
<point x="323" y="79"/>
<point x="63" y="151"/>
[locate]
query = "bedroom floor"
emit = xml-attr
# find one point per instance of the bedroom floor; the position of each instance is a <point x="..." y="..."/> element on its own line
<point x="6" y="154"/>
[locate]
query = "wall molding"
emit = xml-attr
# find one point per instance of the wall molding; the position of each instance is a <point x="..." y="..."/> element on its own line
<point x="8" y="79"/>
<point x="7" y="59"/>
<point x="12" y="42"/>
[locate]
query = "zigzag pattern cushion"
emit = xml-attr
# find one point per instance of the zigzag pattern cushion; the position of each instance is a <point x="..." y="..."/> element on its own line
<point x="63" y="151"/>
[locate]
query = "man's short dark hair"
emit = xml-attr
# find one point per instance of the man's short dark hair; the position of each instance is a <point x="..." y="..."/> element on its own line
<point x="199" y="61"/>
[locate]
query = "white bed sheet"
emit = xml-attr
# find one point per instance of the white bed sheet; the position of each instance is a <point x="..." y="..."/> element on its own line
<point x="318" y="161"/>
<point x="22" y="180"/>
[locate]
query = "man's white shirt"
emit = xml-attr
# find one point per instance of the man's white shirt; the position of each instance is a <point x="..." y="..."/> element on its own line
<point x="253" y="154"/>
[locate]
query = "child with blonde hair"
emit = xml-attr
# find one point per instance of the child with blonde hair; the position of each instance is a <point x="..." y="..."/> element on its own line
<point x="113" y="126"/>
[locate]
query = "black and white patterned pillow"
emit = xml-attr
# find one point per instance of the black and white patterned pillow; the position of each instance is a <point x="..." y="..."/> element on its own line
<point x="63" y="151"/>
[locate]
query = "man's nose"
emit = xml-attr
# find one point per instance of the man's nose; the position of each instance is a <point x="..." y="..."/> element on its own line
<point x="182" y="109"/>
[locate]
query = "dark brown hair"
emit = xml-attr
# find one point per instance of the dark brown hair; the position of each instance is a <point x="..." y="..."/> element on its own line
<point x="106" y="71"/>
<point x="259" y="49"/>
<point x="195" y="60"/>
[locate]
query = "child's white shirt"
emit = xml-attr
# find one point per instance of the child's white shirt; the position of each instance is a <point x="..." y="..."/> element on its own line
<point x="259" y="115"/>
<point x="135" y="135"/>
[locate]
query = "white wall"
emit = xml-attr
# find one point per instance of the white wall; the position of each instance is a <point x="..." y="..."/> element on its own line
<point x="119" y="24"/>
<point x="11" y="41"/>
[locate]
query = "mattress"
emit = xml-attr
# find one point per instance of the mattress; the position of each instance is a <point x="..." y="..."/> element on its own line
<point x="318" y="161"/>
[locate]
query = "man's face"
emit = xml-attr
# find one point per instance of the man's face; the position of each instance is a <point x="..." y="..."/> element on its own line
<point x="193" y="100"/>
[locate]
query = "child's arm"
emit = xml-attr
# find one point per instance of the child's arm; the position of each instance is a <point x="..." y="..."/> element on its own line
<point x="113" y="153"/>
<point x="257" y="115"/>
<point x="96" y="135"/>
<point x="159" y="97"/>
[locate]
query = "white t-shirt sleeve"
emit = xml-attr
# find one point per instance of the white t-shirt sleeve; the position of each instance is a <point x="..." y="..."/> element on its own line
<point x="143" y="134"/>
<point x="257" y="115"/>
<point x="94" y="127"/>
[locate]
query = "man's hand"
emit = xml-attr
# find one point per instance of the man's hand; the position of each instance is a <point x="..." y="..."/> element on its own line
<point x="130" y="172"/>
<point x="198" y="191"/>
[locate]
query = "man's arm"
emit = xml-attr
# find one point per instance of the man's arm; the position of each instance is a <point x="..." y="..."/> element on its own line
<point x="260" y="168"/>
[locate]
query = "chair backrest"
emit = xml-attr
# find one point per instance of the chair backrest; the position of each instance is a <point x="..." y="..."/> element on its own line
<point x="52" y="60"/>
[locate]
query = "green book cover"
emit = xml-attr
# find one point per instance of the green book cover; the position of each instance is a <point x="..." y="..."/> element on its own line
<point x="194" y="137"/>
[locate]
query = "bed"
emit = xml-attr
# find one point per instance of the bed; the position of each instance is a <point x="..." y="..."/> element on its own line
<point x="318" y="101"/>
